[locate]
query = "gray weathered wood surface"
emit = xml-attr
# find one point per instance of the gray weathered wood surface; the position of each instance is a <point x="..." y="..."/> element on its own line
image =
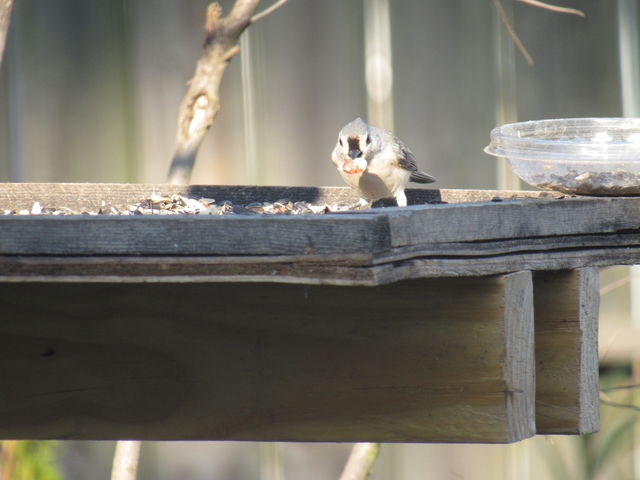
<point x="463" y="233"/>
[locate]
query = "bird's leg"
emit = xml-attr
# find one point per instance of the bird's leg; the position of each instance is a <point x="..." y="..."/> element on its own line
<point x="401" y="199"/>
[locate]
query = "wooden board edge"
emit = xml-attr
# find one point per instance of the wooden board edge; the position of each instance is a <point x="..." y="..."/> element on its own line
<point x="566" y="306"/>
<point x="520" y="359"/>
<point x="589" y="421"/>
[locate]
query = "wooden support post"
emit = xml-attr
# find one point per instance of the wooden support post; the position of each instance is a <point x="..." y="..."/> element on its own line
<point x="566" y="335"/>
<point x="431" y="360"/>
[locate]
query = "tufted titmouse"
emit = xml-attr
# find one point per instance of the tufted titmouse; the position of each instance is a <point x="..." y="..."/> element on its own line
<point x="375" y="162"/>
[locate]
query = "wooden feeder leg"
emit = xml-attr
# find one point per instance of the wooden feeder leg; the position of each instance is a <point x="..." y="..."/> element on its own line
<point x="566" y="333"/>
<point x="429" y="360"/>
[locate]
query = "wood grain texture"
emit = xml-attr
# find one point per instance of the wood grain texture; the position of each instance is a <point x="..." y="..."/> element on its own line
<point x="566" y="334"/>
<point x="520" y="353"/>
<point x="469" y="266"/>
<point x="513" y="219"/>
<point x="447" y="360"/>
<point x="192" y="235"/>
<point x="364" y="269"/>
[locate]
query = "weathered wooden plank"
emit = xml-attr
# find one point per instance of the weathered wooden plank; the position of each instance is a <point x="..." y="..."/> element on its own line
<point x="468" y="266"/>
<point x="566" y="335"/>
<point x="105" y="269"/>
<point x="368" y="256"/>
<point x="489" y="248"/>
<point x="405" y="362"/>
<point x="520" y="353"/>
<point x="92" y="195"/>
<point x="193" y="235"/>
<point x="352" y="269"/>
<point x="458" y="239"/>
<point x="512" y="219"/>
<point x="371" y="232"/>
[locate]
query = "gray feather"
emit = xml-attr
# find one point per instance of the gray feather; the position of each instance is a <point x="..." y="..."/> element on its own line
<point x="421" y="177"/>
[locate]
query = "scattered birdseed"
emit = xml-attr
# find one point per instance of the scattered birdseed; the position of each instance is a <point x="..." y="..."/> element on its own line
<point x="180" y="205"/>
<point x="36" y="209"/>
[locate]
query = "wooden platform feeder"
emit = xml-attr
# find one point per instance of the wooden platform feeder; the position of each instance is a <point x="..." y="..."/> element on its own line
<point x="468" y="316"/>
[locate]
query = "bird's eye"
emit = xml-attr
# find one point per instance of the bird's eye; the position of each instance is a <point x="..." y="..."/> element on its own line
<point x="367" y="139"/>
<point x="340" y="140"/>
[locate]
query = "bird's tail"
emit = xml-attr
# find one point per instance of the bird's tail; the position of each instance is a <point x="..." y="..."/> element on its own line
<point x="421" y="177"/>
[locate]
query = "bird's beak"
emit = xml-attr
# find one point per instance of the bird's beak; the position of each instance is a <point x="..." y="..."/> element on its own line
<point x="355" y="154"/>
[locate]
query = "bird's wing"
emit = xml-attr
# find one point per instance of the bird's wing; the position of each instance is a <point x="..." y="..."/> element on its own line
<point x="403" y="156"/>
<point x="407" y="160"/>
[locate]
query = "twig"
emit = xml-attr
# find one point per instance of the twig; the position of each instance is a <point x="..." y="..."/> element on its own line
<point x="620" y="387"/>
<point x="125" y="460"/>
<point x="554" y="8"/>
<point x="5" y="18"/>
<point x="201" y="103"/>
<point x="536" y="3"/>
<point x="361" y="460"/>
<point x="614" y="285"/>
<point x="627" y="406"/>
<point x="514" y="36"/>
<point x="268" y="10"/>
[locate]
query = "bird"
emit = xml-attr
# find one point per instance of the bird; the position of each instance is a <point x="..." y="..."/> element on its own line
<point x="375" y="162"/>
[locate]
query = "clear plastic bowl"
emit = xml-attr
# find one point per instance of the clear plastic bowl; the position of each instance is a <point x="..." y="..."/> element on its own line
<point x="593" y="156"/>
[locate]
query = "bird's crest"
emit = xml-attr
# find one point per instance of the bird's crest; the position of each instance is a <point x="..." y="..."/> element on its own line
<point x="355" y="128"/>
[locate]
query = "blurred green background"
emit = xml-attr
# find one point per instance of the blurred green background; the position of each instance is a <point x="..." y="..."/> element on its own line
<point x="89" y="92"/>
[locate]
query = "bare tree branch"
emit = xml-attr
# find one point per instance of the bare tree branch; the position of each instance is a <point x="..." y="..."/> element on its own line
<point x="621" y="387"/>
<point x="554" y="8"/>
<point x="605" y="400"/>
<point x="201" y="103"/>
<point x="268" y="10"/>
<point x="536" y="3"/>
<point x="125" y="460"/>
<point x="5" y="17"/>
<point x="514" y="36"/>
<point x="361" y="460"/>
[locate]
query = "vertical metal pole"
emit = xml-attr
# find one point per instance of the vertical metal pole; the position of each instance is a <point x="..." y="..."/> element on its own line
<point x="506" y="107"/>
<point x="378" y="64"/>
<point x="271" y="465"/>
<point x="629" y="65"/>
<point x="269" y="453"/>
<point x="14" y="111"/>
<point x="517" y="456"/>
<point x="251" y="168"/>
<point x="628" y="57"/>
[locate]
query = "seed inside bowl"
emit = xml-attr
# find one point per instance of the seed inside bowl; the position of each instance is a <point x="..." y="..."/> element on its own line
<point x="619" y="182"/>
